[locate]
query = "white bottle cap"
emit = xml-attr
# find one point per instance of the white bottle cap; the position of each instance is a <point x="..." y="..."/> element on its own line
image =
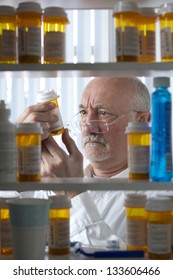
<point x="46" y="95"/>
<point x="60" y="201"/>
<point x="165" y="8"/>
<point x="29" y="128"/>
<point x="138" y="127"/>
<point x="136" y="200"/>
<point x="148" y="11"/>
<point x="159" y="204"/>
<point x="29" y="7"/>
<point x="56" y="12"/>
<point x="161" y="82"/>
<point x="7" y="10"/>
<point x="126" y="6"/>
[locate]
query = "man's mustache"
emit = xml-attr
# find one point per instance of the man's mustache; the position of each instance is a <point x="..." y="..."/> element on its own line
<point x="93" y="138"/>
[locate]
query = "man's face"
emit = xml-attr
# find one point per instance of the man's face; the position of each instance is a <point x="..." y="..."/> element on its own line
<point x="104" y="116"/>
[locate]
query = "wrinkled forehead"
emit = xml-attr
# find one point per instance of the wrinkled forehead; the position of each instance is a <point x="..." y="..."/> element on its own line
<point x="100" y="94"/>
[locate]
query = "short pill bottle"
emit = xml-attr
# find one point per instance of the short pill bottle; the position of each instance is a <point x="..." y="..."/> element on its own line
<point x="54" y="24"/>
<point x="29" y="21"/>
<point x="49" y="95"/>
<point x="159" y="227"/>
<point x="147" y="34"/>
<point x="126" y="16"/>
<point x="8" y="34"/>
<point x="136" y="221"/>
<point x="169" y="194"/>
<point x="166" y="31"/>
<point x="59" y="225"/>
<point x="6" y="248"/>
<point x="138" y="145"/>
<point x="28" y="141"/>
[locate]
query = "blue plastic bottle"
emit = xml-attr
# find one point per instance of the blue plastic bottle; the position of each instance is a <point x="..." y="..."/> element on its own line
<point x="161" y="144"/>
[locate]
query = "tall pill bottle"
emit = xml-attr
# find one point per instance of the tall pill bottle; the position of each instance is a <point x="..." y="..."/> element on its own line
<point x="161" y="131"/>
<point x="147" y="34"/>
<point x="169" y="194"/>
<point x="49" y="95"/>
<point x="136" y="221"/>
<point x="159" y="227"/>
<point x="29" y="20"/>
<point x="166" y="31"/>
<point x="6" y="247"/>
<point x="138" y="144"/>
<point x="28" y="141"/>
<point x="54" y="22"/>
<point x="8" y="152"/>
<point x="7" y="34"/>
<point x="59" y="225"/>
<point x="126" y="16"/>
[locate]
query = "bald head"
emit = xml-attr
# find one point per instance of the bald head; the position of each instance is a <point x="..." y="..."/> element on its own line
<point x="128" y="92"/>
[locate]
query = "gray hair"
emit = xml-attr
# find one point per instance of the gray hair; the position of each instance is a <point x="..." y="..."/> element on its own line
<point x="140" y="100"/>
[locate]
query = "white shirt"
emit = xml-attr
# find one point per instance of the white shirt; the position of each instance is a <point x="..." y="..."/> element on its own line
<point x="97" y="216"/>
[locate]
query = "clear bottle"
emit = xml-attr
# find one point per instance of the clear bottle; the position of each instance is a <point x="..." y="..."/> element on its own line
<point x="161" y="148"/>
<point x="54" y="22"/>
<point x="7" y="34"/>
<point x="59" y="225"/>
<point x="166" y="31"/>
<point x="147" y="34"/>
<point x="136" y="221"/>
<point x="29" y="20"/>
<point x="6" y="248"/>
<point x="8" y="145"/>
<point x="50" y="95"/>
<point x="138" y="139"/>
<point x="28" y="140"/>
<point x="126" y="16"/>
<point x="169" y="194"/>
<point x="159" y="227"/>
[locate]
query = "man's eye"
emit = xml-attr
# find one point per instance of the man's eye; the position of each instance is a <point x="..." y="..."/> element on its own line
<point x="82" y="112"/>
<point x="103" y="113"/>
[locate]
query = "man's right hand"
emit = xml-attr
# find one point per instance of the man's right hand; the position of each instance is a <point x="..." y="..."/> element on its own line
<point x="42" y="113"/>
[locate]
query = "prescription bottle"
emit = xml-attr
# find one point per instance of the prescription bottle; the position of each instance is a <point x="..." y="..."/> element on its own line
<point x="59" y="225"/>
<point x="159" y="227"/>
<point x="147" y="34"/>
<point x="166" y="31"/>
<point x="29" y="15"/>
<point x="138" y="142"/>
<point x="126" y="16"/>
<point x="136" y="221"/>
<point x="54" y="22"/>
<point x="169" y="194"/>
<point x="28" y="141"/>
<point x="5" y="228"/>
<point x="49" y="95"/>
<point x="7" y="34"/>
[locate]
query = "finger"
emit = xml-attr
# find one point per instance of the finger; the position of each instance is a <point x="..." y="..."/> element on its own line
<point x="70" y="145"/>
<point x="41" y="107"/>
<point x="53" y="148"/>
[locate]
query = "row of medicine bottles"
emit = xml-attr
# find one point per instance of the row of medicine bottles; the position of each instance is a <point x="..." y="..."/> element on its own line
<point x="22" y="30"/>
<point x="136" y="31"/>
<point x="149" y="224"/>
<point x="150" y="147"/>
<point x="21" y="33"/>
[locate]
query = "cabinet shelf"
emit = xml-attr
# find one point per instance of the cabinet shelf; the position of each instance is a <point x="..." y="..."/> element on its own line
<point x="83" y="184"/>
<point x="119" y="69"/>
<point x="90" y="4"/>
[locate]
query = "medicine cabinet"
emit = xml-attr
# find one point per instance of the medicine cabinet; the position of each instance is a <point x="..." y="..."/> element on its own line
<point x="85" y="69"/>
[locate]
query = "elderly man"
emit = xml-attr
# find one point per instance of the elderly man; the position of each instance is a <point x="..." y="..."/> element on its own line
<point x="107" y="105"/>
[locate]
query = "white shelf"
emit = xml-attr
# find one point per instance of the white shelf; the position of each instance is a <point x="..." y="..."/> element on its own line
<point x="129" y="69"/>
<point x="83" y="184"/>
<point x="87" y="4"/>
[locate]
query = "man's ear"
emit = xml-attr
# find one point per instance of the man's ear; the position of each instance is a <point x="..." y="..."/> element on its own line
<point x="144" y="117"/>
